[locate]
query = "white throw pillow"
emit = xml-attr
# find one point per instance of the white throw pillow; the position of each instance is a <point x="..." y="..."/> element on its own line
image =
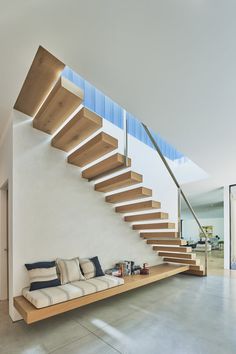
<point x="69" y="270"/>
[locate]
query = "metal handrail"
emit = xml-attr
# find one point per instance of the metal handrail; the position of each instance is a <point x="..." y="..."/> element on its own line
<point x="180" y="191"/>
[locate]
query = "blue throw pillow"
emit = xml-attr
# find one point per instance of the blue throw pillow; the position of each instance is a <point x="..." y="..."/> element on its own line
<point x="98" y="268"/>
<point x="30" y="266"/>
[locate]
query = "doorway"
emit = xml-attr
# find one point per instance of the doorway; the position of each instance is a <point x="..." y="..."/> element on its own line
<point x="4" y="268"/>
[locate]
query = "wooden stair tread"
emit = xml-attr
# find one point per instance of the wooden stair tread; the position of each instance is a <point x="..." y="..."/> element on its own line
<point x="80" y="127"/>
<point x="124" y="180"/>
<point x="167" y="242"/>
<point x="148" y="216"/>
<point x="111" y="164"/>
<point x="140" y="192"/>
<point x="173" y="249"/>
<point x="61" y="102"/>
<point x="177" y="255"/>
<point x="31" y="314"/>
<point x="42" y="75"/>
<point x="149" y="204"/>
<point x="161" y="235"/>
<point x="154" y="226"/>
<point x="184" y="261"/>
<point x="196" y="267"/>
<point x="199" y="273"/>
<point x="98" y="146"/>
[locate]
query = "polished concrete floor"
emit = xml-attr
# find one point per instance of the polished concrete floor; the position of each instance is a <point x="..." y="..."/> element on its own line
<point x="180" y="315"/>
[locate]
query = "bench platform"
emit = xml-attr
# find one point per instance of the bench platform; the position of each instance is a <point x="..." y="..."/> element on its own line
<point x="31" y="314"/>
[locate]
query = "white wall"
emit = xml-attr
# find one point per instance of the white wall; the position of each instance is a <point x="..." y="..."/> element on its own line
<point x="3" y="245"/>
<point x="6" y="176"/>
<point x="6" y="153"/>
<point x="187" y="171"/>
<point x="191" y="229"/>
<point x="57" y="214"/>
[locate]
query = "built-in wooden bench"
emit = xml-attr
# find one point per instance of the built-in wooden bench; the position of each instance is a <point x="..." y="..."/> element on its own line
<point x="31" y="314"/>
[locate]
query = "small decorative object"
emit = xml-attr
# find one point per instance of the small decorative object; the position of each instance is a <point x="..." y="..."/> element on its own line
<point x="127" y="267"/>
<point x="136" y="270"/>
<point x="121" y="266"/>
<point x="115" y="272"/>
<point x="145" y="269"/>
<point x="132" y="267"/>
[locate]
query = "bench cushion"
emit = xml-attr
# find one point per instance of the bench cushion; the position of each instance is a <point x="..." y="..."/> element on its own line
<point x="51" y="296"/>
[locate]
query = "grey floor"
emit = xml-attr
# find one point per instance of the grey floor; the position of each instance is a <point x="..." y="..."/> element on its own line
<point x="182" y="314"/>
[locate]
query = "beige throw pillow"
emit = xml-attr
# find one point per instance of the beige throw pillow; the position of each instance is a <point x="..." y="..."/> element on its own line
<point x="69" y="270"/>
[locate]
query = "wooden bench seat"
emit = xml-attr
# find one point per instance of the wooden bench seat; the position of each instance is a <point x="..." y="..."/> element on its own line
<point x="31" y="314"/>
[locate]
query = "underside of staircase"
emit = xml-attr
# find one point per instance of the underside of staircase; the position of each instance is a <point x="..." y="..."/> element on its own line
<point x="51" y="100"/>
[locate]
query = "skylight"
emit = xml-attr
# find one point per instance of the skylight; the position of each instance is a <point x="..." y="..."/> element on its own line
<point x="95" y="100"/>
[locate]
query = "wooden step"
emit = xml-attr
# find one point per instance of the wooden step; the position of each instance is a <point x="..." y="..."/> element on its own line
<point x="140" y="192"/>
<point x="184" y="261"/>
<point x="154" y="226"/>
<point x="98" y="146"/>
<point x="112" y="164"/>
<point x="124" y="180"/>
<point x="173" y="249"/>
<point x="80" y="127"/>
<point x="177" y="255"/>
<point x="61" y="102"/>
<point x="160" y="235"/>
<point x="149" y="204"/>
<point x="199" y="273"/>
<point x="167" y="242"/>
<point x="149" y="216"/>
<point x="196" y="267"/>
<point x="42" y="75"/>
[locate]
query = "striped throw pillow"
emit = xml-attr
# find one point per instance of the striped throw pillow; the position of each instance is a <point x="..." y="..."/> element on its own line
<point x="69" y="270"/>
<point x="42" y="275"/>
<point x="91" y="267"/>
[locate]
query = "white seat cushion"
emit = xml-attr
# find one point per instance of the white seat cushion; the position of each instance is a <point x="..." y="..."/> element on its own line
<point x="51" y="296"/>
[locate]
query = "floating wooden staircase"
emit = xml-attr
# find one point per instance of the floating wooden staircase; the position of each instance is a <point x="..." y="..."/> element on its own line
<point x="110" y="165"/>
<point x="97" y="147"/>
<point x="195" y="270"/>
<point x="154" y="226"/>
<point x="184" y="261"/>
<point x="173" y="249"/>
<point x="44" y="72"/>
<point x="137" y="193"/>
<point x="141" y="206"/>
<point x="177" y="255"/>
<point x="158" y="235"/>
<point x="167" y="242"/>
<point x="148" y="216"/>
<point x="62" y="101"/>
<point x="80" y="127"/>
<point x="52" y="100"/>
<point x="124" y="180"/>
